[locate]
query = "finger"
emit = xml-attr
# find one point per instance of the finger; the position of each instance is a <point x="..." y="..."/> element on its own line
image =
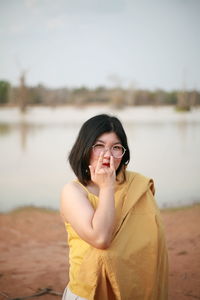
<point x="112" y="166"/>
<point x="91" y="168"/>
<point x="100" y="161"/>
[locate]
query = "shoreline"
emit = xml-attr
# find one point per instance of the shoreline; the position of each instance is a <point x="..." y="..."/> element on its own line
<point x="46" y="209"/>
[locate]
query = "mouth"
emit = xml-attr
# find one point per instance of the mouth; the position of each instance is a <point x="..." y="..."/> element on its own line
<point x="106" y="165"/>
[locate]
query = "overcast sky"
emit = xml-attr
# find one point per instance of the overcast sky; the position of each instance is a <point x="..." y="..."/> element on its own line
<point x="143" y="43"/>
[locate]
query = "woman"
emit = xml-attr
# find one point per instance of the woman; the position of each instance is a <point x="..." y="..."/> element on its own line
<point x="116" y="242"/>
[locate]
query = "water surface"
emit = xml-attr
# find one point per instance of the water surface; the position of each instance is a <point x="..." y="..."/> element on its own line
<point x="165" y="146"/>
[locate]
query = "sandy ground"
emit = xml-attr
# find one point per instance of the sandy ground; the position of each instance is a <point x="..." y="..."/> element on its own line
<point x="33" y="253"/>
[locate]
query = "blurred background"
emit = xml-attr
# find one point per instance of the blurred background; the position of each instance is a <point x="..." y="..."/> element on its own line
<point x="62" y="62"/>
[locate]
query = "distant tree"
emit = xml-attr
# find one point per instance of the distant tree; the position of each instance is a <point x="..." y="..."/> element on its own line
<point x="4" y="92"/>
<point x="23" y="92"/>
<point x="183" y="103"/>
<point x="130" y="94"/>
<point x="36" y="94"/>
<point x="158" y="97"/>
<point x="117" y="98"/>
<point x="171" y="97"/>
<point x="80" y="95"/>
<point x="81" y="90"/>
<point x="194" y="97"/>
<point x="100" y="89"/>
<point x="100" y="95"/>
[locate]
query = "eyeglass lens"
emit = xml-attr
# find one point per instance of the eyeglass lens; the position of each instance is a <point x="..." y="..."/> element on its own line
<point x="116" y="150"/>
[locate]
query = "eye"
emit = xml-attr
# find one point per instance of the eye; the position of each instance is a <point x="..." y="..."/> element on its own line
<point x="99" y="146"/>
<point x="117" y="147"/>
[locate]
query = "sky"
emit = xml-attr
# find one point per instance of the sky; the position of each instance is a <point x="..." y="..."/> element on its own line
<point x="129" y="43"/>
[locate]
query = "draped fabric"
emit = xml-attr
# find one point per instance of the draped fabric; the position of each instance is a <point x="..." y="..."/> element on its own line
<point x="135" y="265"/>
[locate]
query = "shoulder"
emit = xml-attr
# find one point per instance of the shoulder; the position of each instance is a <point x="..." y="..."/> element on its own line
<point x="140" y="179"/>
<point x="73" y="198"/>
<point x="71" y="189"/>
<point x="132" y="175"/>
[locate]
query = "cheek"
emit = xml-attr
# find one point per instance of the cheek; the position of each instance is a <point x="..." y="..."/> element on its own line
<point x="117" y="163"/>
<point x="93" y="160"/>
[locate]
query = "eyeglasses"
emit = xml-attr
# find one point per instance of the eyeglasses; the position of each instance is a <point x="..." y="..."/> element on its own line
<point x="117" y="151"/>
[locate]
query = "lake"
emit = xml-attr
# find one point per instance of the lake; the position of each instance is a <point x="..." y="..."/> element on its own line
<point x="165" y="145"/>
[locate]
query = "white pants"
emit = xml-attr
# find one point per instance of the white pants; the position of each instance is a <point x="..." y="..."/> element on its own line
<point x="68" y="295"/>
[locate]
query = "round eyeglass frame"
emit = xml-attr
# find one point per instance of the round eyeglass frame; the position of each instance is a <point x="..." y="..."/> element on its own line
<point x="124" y="149"/>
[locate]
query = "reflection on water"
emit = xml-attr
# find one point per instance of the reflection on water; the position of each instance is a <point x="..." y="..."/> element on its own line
<point x="164" y="145"/>
<point x="4" y="129"/>
<point x="23" y="131"/>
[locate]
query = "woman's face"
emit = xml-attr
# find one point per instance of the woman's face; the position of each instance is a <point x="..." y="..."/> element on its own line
<point x="106" y="141"/>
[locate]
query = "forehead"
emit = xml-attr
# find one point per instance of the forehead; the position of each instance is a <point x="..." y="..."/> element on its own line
<point x="108" y="137"/>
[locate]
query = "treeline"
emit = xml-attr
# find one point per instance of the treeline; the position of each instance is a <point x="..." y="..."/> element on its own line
<point x="23" y="95"/>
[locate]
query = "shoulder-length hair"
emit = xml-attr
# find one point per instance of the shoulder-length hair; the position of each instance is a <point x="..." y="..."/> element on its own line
<point x="79" y="157"/>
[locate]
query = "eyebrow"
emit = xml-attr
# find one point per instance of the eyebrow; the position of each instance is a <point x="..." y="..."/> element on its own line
<point x="104" y="142"/>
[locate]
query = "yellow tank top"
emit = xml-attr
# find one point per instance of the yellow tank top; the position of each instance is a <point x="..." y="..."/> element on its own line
<point x="77" y="246"/>
<point x="135" y="265"/>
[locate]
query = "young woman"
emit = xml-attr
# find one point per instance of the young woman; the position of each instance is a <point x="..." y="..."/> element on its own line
<point x="116" y="241"/>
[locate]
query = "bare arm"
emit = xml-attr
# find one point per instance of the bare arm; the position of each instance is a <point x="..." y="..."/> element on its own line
<point x="93" y="226"/>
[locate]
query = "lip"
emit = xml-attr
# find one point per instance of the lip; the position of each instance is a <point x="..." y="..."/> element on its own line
<point x="106" y="164"/>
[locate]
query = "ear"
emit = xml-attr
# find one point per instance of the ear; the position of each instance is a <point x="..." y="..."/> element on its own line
<point x="151" y="186"/>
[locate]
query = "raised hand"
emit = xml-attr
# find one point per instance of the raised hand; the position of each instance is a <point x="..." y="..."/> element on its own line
<point x="103" y="176"/>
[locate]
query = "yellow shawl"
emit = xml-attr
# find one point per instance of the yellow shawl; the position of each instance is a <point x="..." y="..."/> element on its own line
<point x="135" y="265"/>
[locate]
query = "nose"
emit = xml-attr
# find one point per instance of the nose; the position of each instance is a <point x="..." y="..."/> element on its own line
<point x="107" y="151"/>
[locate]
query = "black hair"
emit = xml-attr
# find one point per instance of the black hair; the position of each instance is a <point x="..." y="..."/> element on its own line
<point x="79" y="157"/>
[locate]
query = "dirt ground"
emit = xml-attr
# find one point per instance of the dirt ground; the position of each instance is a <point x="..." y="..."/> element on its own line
<point x="33" y="253"/>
